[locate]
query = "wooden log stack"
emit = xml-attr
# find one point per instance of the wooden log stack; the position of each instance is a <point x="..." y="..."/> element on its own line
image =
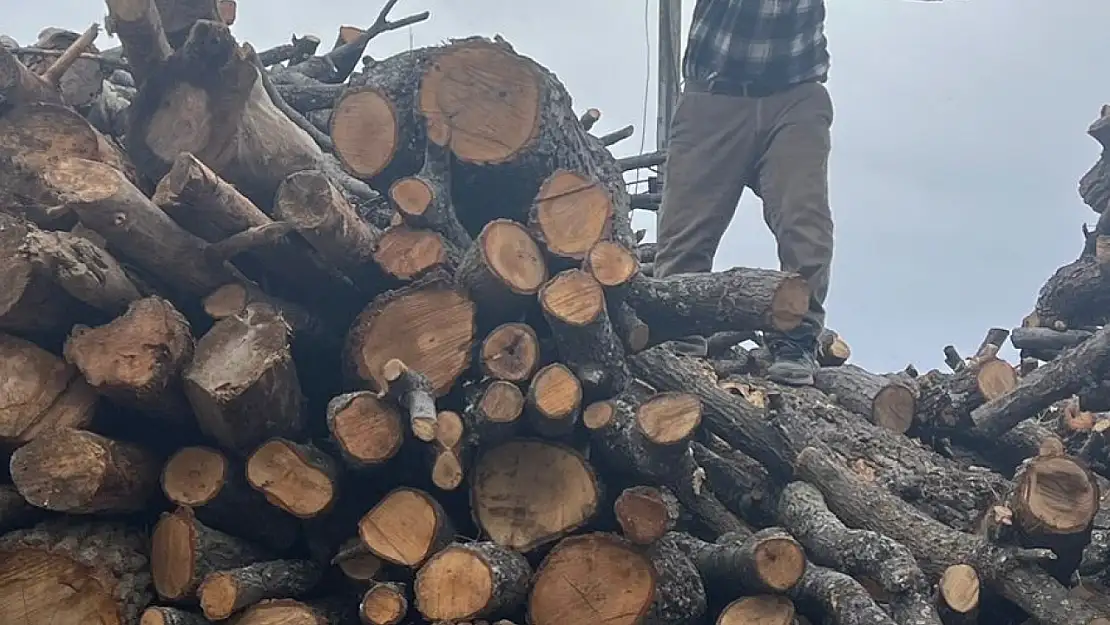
<point x="289" y="340"/>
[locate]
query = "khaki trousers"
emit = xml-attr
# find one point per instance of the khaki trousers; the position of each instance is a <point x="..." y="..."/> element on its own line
<point x="778" y="146"/>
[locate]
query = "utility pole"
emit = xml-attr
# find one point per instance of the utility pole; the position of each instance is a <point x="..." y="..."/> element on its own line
<point x="670" y="63"/>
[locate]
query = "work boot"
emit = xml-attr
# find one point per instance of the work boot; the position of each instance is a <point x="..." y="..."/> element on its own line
<point x="694" y="345"/>
<point x="793" y="355"/>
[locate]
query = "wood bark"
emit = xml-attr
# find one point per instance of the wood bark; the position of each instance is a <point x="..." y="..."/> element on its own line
<point x="412" y="390"/>
<point x="424" y="199"/>
<point x="646" y="513"/>
<point x="163" y="615"/>
<point x="503" y="270"/>
<point x="472" y="580"/>
<point x="80" y="472"/>
<point x="41" y="392"/>
<point x="554" y="401"/>
<point x="224" y="593"/>
<point x="82" y="268"/>
<point x="885" y="402"/>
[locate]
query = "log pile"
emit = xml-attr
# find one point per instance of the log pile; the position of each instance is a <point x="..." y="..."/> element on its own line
<point x="303" y="337"/>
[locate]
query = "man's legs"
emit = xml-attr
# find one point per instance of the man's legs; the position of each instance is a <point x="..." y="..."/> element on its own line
<point x="709" y="154"/>
<point x="793" y="183"/>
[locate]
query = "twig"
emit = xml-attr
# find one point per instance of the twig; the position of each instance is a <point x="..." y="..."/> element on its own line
<point x="650" y="159"/>
<point x="617" y="135"/>
<point x="53" y="74"/>
<point x="100" y="58"/>
<point x="646" y="201"/>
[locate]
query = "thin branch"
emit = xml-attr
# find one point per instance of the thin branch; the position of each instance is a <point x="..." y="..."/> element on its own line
<point x="53" y="74"/>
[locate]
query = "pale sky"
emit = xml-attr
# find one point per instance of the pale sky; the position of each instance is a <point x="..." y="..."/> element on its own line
<point x="958" y="142"/>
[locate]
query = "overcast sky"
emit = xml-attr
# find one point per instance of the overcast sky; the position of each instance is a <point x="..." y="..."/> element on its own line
<point x="957" y="147"/>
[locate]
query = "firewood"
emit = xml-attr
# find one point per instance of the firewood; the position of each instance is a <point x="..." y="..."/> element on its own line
<point x="946" y="402"/>
<point x="356" y="562"/>
<point x="525" y="494"/>
<point x="844" y="600"/>
<point x="296" y="477"/>
<point x="767" y="561"/>
<point x="178" y="16"/>
<point x="406" y="528"/>
<point x="758" y="610"/>
<point x="321" y="214"/>
<point x="573" y="303"/>
<point x="384" y="603"/>
<point x="78" y="78"/>
<point x="137" y="359"/>
<point x="281" y="611"/>
<point x="412" y="390"/>
<point x="80" y="472"/>
<point x="885" y="402"/>
<point x="832" y="350"/>
<point x="407" y="253"/>
<point x="41" y="393"/>
<point x="242" y="383"/>
<point x="216" y="489"/>
<point x="428" y="325"/>
<point x="554" y="401"/>
<point x="957" y="595"/>
<point x="82" y="573"/>
<point x="570" y="214"/>
<point x="652" y="437"/>
<point x="646" y="513"/>
<point x="232" y="300"/>
<point x="424" y="200"/>
<point x="493" y="411"/>
<point x="82" y="268"/>
<point x="139" y="27"/>
<point x="223" y="593"/>
<point x="451" y="453"/>
<point x="19" y="85"/>
<point x="472" y="580"/>
<point x="1054" y="503"/>
<point x="161" y="615"/>
<point x="504" y="268"/>
<point x="511" y="351"/>
<point x="367" y="430"/>
<point x="184" y="551"/>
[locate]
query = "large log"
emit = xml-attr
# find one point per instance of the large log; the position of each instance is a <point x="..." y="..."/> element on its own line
<point x="242" y="382"/>
<point x="68" y="573"/>
<point x="885" y="402"/>
<point x="503" y="270"/>
<point x="406" y="528"/>
<point x="367" y="429"/>
<point x="296" y="477"/>
<point x="224" y="593"/>
<point x="40" y="392"/>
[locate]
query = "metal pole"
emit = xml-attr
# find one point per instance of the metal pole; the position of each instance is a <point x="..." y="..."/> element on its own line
<point x="670" y="62"/>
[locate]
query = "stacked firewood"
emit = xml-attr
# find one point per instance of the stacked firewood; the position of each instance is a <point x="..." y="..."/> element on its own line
<point x="287" y="339"/>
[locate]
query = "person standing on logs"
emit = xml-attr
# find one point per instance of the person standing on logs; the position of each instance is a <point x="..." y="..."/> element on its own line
<point x="754" y="113"/>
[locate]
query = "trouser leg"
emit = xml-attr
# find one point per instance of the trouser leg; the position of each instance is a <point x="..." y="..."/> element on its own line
<point x="793" y="183"/>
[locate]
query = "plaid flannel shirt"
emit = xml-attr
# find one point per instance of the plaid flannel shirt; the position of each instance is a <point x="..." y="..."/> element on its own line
<point x="766" y="42"/>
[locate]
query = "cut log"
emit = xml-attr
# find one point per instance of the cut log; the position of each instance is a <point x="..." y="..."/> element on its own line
<point x="178" y="16"/>
<point x="207" y="99"/>
<point x="958" y="595"/>
<point x="554" y="401"/>
<point x="242" y="383"/>
<point x="139" y="27"/>
<point x="1054" y="503"/>
<point x="758" y="610"/>
<point x="212" y="209"/>
<point x="428" y="325"/>
<point x="842" y="600"/>
<point x="570" y="214"/>
<point x="767" y="561"/>
<point x="80" y="472"/>
<point x="946" y="401"/>
<point x="184" y="551"/>
<point x="407" y="253"/>
<point x="79" y="79"/>
<point x="734" y="299"/>
<point x="106" y="202"/>
<point x="472" y="580"/>
<point x="504" y="268"/>
<point x="216" y="488"/>
<point x="493" y="411"/>
<point x="357" y="563"/>
<point x="320" y="213"/>
<point x="73" y="574"/>
<point x="406" y="528"/>
<point x="367" y="430"/>
<point x="1047" y="339"/>
<point x="160" y="615"/>
<point x="19" y="85"/>
<point x="424" y="200"/>
<point x="526" y="132"/>
<point x="574" y="585"/>
<point x="289" y="611"/>
<point x="40" y="392"/>
<point x="296" y="477"/>
<point x="1056" y="380"/>
<point x="510" y="352"/>
<point x="224" y="593"/>
<point x="646" y="513"/>
<point x="384" y="603"/>
<point x="231" y="300"/>
<point x="885" y="402"/>
<point x="82" y="268"/>
<point x="573" y="303"/>
<point x="832" y="350"/>
<point x="525" y="494"/>
<point x="412" y="390"/>
<point x="137" y="359"/>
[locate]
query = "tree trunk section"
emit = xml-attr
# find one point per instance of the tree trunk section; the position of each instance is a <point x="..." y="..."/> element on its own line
<point x="412" y="390"/>
<point x="224" y="593"/>
<point x="503" y="270"/>
<point x="511" y="352"/>
<point x="384" y="603"/>
<point x="41" y="393"/>
<point x="554" y="401"/>
<point x="406" y="528"/>
<point x="884" y="402"/>
<point x="470" y="581"/>
<point x="296" y="477"/>
<point x="367" y="429"/>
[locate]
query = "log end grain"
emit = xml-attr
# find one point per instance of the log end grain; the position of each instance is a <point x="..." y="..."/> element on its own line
<point x="669" y="418"/>
<point x="510" y="352"/>
<point x="758" y="610"/>
<point x="512" y="256"/>
<point x="367" y="429"/>
<point x="295" y="477"/>
<point x="645" y="513"/>
<point x="407" y="253"/>
<point x="573" y="297"/>
<point x="612" y="264"/>
<point x="194" y="476"/>
<point x="571" y="214"/>
<point x="554" y="397"/>
<point x="958" y="589"/>
<point x="893" y="408"/>
<point x="466" y="581"/>
<point x="528" y="493"/>
<point x="365" y="130"/>
<point x="574" y="584"/>
<point x="599" y="415"/>
<point x="383" y="604"/>
<point x="1055" y="495"/>
<point x="995" y="378"/>
<point x="41" y="392"/>
<point x="405" y="527"/>
<point x="502" y="94"/>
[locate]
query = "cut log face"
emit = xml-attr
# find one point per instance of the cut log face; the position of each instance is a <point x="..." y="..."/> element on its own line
<point x="504" y="264"/>
<point x="884" y="401"/>
<point x="384" y="604"/>
<point x="40" y="392"/>
<point x="73" y="574"/>
<point x="407" y="253"/>
<point x="612" y="264"/>
<point x="646" y="513"/>
<point x="669" y="418"/>
<point x="162" y="615"/>
<point x="84" y="473"/>
<point x="223" y="593"/>
<point x="958" y="589"/>
<point x="406" y="527"/>
<point x="476" y="580"/>
<point x="554" y="400"/>
<point x="525" y="494"/>
<point x="429" y="326"/>
<point x="364" y="128"/>
<point x="296" y="477"/>
<point x="194" y="476"/>
<point x="184" y="551"/>
<point x="367" y="429"/>
<point x="574" y="583"/>
<point x="758" y="610"/>
<point x="571" y="213"/>
<point x="1061" y="497"/>
<point x="510" y="352"/>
